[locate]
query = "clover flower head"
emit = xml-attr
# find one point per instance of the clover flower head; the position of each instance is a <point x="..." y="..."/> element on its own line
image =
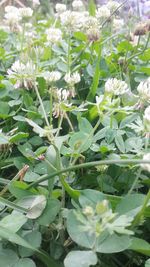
<point x="91" y="28"/>
<point x="60" y="8"/>
<point x="146" y="166"/>
<point x="23" y="74"/>
<point x="54" y="35"/>
<point x="116" y="87"/>
<point x="72" y="79"/>
<point x="71" y="20"/>
<point x="52" y="76"/>
<point x="36" y="3"/>
<point x="117" y="24"/>
<point x="88" y="211"/>
<point x="12" y="17"/>
<point x="112" y="5"/>
<point x="144" y="90"/>
<point x="77" y="5"/>
<point x="25" y="12"/>
<point x="103" y="12"/>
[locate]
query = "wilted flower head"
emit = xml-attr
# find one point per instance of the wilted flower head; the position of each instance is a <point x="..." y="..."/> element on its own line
<point x="144" y="90"/>
<point x="77" y="5"/>
<point x="116" y="87"/>
<point x="60" y="8"/>
<point x="54" y="35"/>
<point x="146" y="166"/>
<point x="52" y="76"/>
<point x="72" y="79"/>
<point x="113" y="5"/>
<point x="147" y="119"/>
<point x="141" y="29"/>
<point x="103" y="12"/>
<point x="25" y="12"/>
<point x="23" y="74"/>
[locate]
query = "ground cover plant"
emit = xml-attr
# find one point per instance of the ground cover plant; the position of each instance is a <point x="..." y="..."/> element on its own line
<point x="74" y="138"/>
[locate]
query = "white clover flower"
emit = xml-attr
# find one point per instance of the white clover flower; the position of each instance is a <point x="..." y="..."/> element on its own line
<point x="112" y="5"/>
<point x="77" y="5"/>
<point x="23" y="74"/>
<point x="52" y="76"/>
<point x="72" y="79"/>
<point x="60" y="8"/>
<point x="25" y="12"/>
<point x="54" y="35"/>
<point x="146" y="118"/>
<point x="36" y="3"/>
<point x="88" y="211"/>
<point x="91" y="28"/>
<point x="146" y="166"/>
<point x="12" y="16"/>
<point x="103" y="12"/>
<point x="116" y="87"/>
<point x="118" y="24"/>
<point x="71" y="20"/>
<point x="144" y="90"/>
<point x="61" y="94"/>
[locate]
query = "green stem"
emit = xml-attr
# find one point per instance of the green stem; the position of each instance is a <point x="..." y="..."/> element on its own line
<point x="88" y="165"/>
<point x="42" y="106"/>
<point x="51" y="107"/>
<point x="135" y="181"/>
<point x="12" y="205"/>
<point x="113" y="13"/>
<point x="141" y="52"/>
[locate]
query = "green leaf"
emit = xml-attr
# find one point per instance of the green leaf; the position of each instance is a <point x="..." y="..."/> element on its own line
<point x="37" y="207"/>
<point x="140" y="245"/>
<point x="52" y="208"/>
<point x="85" y="126"/>
<point x="17" y="137"/>
<point x="127" y="120"/>
<point x="80" y="258"/>
<point x="130" y="204"/>
<point x="120" y="143"/>
<point x="34" y="238"/>
<point x="13" y="237"/>
<point x="114" y="244"/>
<point x="34" y="205"/>
<point x="89" y="197"/>
<point x="13" y="222"/>
<point x="4" y="108"/>
<point x="94" y="86"/>
<point x="25" y="263"/>
<point x="19" y="189"/>
<point x="76" y="233"/>
<point x="7" y="257"/>
<point x="92" y="7"/>
<point x="124" y="46"/>
<point x="80" y="142"/>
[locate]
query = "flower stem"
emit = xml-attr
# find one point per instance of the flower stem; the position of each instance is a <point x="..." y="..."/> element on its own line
<point x="42" y="106"/>
<point x="88" y="165"/>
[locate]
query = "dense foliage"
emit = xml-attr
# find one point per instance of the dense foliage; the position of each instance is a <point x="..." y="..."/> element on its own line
<point x="74" y="139"/>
